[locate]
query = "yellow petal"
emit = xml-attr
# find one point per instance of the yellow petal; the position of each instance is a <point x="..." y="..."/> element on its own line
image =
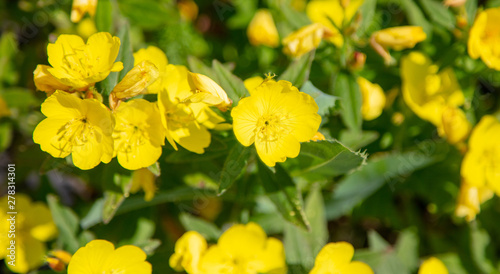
<point x="305" y="39"/>
<point x="136" y="80"/>
<point x="456" y="127"/>
<point x="80" y="7"/>
<point x="373" y="99"/>
<point x="399" y="38"/>
<point x="30" y="254"/>
<point x="433" y="266"/>
<point x="243" y="241"/>
<point x="253" y="82"/>
<point x="44" y="81"/>
<point x="262" y="30"/>
<point x="484" y="39"/>
<point x="145" y="179"/>
<point x="202" y="84"/>
<point x="189" y="250"/>
<point x="272" y="259"/>
<point x="91" y="258"/>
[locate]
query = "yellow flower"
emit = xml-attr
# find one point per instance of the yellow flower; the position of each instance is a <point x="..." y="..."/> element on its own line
<point x="426" y="91"/>
<point x="244" y="249"/>
<point x="304" y="39"/>
<point x="455" y="125"/>
<point x="481" y="162"/>
<point x="78" y="127"/>
<point x="373" y="99"/>
<point x="470" y="199"/>
<point x="134" y="83"/>
<point x="80" y="7"/>
<point x="484" y="38"/>
<point x="277" y="117"/>
<point x="207" y="91"/>
<point x="100" y="256"/>
<point x="433" y="266"/>
<point x="33" y="227"/>
<point x="138" y="134"/>
<point x="159" y="59"/>
<point x="187" y="123"/>
<point x="79" y="65"/>
<point x="253" y="82"/>
<point x="397" y="38"/>
<point x="188" y="251"/>
<point x="336" y="258"/>
<point x="86" y="28"/>
<point x="145" y="180"/>
<point x="334" y="15"/>
<point x="262" y="30"/>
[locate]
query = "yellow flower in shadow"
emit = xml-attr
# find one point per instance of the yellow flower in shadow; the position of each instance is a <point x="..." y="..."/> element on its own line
<point x="80" y="7"/>
<point x="484" y="38"/>
<point x="470" y="199"/>
<point x="145" y="180"/>
<point x="33" y="227"/>
<point x="262" y="30"/>
<point x="480" y="167"/>
<point x="304" y="39"/>
<point x="428" y="91"/>
<point x="373" y="99"/>
<point x="335" y="15"/>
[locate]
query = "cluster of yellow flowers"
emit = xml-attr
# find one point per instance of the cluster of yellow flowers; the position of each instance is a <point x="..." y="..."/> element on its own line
<point x="432" y="94"/>
<point x="247" y="249"/>
<point x="276" y="115"/>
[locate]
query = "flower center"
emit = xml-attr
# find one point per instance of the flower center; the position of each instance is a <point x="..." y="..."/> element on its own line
<point x="271" y="127"/>
<point x="129" y="136"/>
<point x="76" y="132"/>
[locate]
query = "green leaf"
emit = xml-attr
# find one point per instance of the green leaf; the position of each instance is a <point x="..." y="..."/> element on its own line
<point x="298" y="71"/>
<point x="148" y="14"/>
<point x="6" y="135"/>
<point x="143" y="233"/>
<point x="104" y="16"/>
<point x="359" y="185"/>
<point x="94" y="216"/>
<point x="208" y="230"/>
<point x="126" y="53"/>
<point x="481" y="252"/>
<point x="439" y="13"/>
<point x="416" y="16"/>
<point x="347" y="89"/>
<point x="21" y="98"/>
<point x="233" y="85"/>
<point x="407" y="249"/>
<point x="301" y="247"/>
<point x="197" y="66"/>
<point x="323" y="100"/>
<point x="471" y="9"/>
<point x="293" y="17"/>
<point x="357" y="140"/>
<point x="325" y="158"/>
<point x="282" y="191"/>
<point x="235" y="163"/>
<point x="66" y="222"/>
<point x="367" y="12"/>
<point x="112" y="201"/>
<point x="376" y="242"/>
